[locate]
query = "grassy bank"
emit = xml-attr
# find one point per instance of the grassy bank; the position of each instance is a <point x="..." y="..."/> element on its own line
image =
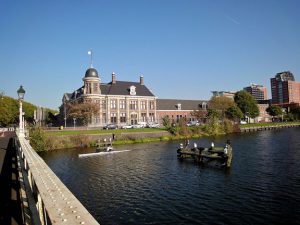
<point x="49" y="140"/>
<point x="99" y="131"/>
<point x="268" y="124"/>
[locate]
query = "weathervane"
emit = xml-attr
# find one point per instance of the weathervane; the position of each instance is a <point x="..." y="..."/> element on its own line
<point x="91" y="54"/>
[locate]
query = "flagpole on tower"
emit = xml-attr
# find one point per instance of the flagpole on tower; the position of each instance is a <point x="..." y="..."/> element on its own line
<point x="90" y="52"/>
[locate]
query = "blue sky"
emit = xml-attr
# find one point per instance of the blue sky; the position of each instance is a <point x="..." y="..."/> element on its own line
<point x="184" y="49"/>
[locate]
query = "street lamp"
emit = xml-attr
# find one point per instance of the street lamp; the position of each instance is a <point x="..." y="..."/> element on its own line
<point x="65" y="112"/>
<point x="74" y="120"/>
<point x="21" y="93"/>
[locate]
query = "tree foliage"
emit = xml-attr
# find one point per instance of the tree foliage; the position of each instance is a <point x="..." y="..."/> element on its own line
<point x="199" y="114"/>
<point x="166" y="121"/>
<point x="295" y="112"/>
<point x="234" y="113"/>
<point x="82" y="111"/>
<point x="9" y="111"/>
<point x="221" y="104"/>
<point x="274" y="110"/>
<point x="246" y="103"/>
<point x="37" y="139"/>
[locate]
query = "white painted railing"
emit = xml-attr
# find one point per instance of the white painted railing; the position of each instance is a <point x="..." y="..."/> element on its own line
<point x="54" y="202"/>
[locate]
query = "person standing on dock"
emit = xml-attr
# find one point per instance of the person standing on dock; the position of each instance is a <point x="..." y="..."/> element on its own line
<point x="212" y="145"/>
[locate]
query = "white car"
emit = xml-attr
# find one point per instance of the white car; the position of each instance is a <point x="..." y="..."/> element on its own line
<point x="193" y="123"/>
<point x="137" y="126"/>
<point x="153" y="125"/>
<point x="128" y="126"/>
<point x="243" y="122"/>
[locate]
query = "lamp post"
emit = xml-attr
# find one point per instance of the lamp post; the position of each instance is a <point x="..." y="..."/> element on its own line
<point x="74" y="120"/>
<point x="21" y="93"/>
<point x="65" y="112"/>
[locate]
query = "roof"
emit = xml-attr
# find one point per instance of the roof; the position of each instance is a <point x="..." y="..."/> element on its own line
<point x="122" y="88"/>
<point x="172" y="104"/>
<point x="285" y="76"/>
<point x="119" y="88"/>
<point x="91" y="72"/>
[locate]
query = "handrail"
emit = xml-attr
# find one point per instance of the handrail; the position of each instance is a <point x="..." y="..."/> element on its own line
<point x="55" y="203"/>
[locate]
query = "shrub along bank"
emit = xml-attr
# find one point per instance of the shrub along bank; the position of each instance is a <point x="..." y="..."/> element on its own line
<point x="44" y="141"/>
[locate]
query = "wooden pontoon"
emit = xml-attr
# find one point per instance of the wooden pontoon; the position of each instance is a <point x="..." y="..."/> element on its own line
<point x="213" y="156"/>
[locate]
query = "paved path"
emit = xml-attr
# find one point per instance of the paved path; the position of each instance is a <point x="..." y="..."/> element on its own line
<point x="10" y="206"/>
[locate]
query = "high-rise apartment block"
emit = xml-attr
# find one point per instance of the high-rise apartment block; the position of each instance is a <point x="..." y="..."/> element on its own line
<point x="259" y="92"/>
<point x="228" y="94"/>
<point x="285" y="90"/>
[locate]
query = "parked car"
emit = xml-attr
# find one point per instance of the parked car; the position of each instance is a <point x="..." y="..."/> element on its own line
<point x="243" y="122"/>
<point x="193" y="123"/>
<point x="153" y="125"/>
<point x="137" y="126"/>
<point x="128" y="126"/>
<point x="110" y="126"/>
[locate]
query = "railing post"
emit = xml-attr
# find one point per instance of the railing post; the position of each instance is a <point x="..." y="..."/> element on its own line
<point x="40" y="209"/>
<point x="30" y="179"/>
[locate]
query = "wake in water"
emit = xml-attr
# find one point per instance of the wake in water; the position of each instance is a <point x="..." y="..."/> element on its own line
<point x="101" y="153"/>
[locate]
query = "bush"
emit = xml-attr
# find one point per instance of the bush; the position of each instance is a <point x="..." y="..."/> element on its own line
<point x="37" y="139"/>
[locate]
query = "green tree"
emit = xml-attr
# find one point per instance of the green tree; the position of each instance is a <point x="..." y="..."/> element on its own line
<point x="213" y="125"/>
<point x="82" y="111"/>
<point x="274" y="110"/>
<point x="37" y="139"/>
<point x="9" y="111"/>
<point x="199" y="114"/>
<point x="295" y="113"/>
<point x="166" y="121"/>
<point x="29" y="108"/>
<point x="221" y="104"/>
<point x="246" y="102"/>
<point x="234" y="113"/>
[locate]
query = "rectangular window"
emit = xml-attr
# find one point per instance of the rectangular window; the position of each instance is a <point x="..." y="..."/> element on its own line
<point x="122" y="104"/>
<point x="103" y="104"/>
<point x="144" y="117"/>
<point x="122" y="117"/>
<point x="113" y="117"/>
<point x="133" y="105"/>
<point x="143" y="105"/>
<point x="113" y="104"/>
<point x="151" y="117"/>
<point x="151" y="104"/>
<point x="104" y="118"/>
<point x="95" y="88"/>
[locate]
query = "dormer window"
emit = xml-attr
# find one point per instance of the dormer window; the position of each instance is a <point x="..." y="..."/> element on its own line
<point x="178" y="106"/>
<point x="132" y="90"/>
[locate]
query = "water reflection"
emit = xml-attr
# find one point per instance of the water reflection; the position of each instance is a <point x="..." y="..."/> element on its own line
<point x="148" y="185"/>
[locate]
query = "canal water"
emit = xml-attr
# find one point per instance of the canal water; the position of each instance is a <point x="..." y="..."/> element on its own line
<point x="148" y="185"/>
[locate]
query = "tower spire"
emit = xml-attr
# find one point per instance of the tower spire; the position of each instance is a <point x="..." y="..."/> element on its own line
<point x="90" y="52"/>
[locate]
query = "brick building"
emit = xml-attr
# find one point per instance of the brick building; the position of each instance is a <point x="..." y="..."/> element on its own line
<point x="120" y="102"/>
<point x="176" y="109"/>
<point x="259" y="92"/>
<point x="285" y="90"/>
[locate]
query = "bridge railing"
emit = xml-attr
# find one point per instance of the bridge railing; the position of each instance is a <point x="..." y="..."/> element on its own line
<point x="52" y="200"/>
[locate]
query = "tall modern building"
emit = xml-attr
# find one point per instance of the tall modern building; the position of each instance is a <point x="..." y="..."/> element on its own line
<point x="259" y="92"/>
<point x="285" y="90"/>
<point x="228" y="94"/>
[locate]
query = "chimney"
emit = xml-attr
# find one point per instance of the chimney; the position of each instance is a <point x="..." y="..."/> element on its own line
<point x="113" y="78"/>
<point x="142" y="80"/>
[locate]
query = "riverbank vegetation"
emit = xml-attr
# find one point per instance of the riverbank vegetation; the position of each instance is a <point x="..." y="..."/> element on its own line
<point x="9" y="112"/>
<point x="222" y="116"/>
